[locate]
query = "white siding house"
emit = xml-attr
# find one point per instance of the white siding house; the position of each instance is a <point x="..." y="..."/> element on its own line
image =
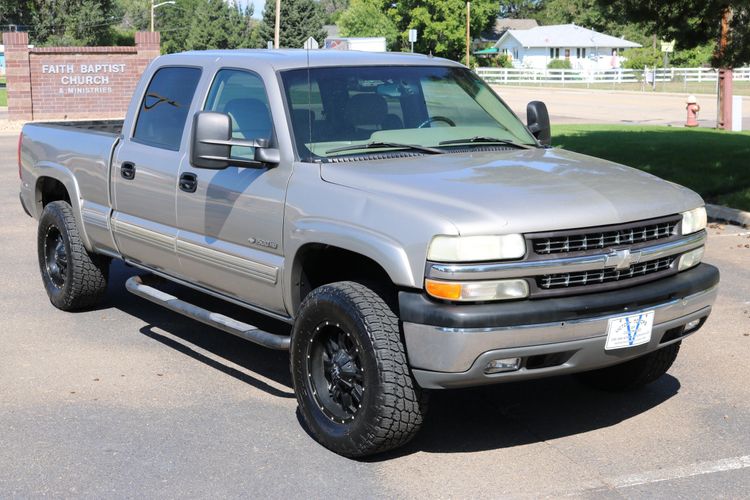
<point x="585" y="48"/>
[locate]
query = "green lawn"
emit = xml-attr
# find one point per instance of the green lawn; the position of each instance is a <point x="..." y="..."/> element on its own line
<point x="716" y="164"/>
<point x="3" y="97"/>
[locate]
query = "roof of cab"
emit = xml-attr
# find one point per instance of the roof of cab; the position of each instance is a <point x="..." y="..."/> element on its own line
<point x="299" y="58"/>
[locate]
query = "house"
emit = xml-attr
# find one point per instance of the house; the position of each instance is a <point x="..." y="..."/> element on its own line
<point x="502" y="25"/>
<point x="585" y="49"/>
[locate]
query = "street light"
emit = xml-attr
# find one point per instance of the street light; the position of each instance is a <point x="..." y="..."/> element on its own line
<point x="155" y="7"/>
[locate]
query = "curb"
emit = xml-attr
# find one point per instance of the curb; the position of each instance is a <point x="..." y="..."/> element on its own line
<point x="726" y="214"/>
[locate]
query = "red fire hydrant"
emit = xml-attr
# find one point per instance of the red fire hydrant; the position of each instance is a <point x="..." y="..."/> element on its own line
<point x="692" y="111"/>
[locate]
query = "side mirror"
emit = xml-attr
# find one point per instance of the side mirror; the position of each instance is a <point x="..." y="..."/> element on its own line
<point x="537" y="119"/>
<point x="211" y="145"/>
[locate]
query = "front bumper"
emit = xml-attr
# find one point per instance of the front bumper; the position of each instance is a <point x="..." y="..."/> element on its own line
<point x="449" y="345"/>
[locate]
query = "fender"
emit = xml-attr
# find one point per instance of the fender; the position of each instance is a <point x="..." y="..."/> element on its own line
<point x="377" y="246"/>
<point x="66" y="177"/>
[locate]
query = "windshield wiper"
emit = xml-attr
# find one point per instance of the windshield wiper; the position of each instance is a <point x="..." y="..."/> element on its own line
<point x="382" y="145"/>
<point x="484" y="139"/>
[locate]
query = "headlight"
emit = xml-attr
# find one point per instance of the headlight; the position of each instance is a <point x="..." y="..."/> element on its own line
<point x="694" y="220"/>
<point x="476" y="248"/>
<point x="477" y="291"/>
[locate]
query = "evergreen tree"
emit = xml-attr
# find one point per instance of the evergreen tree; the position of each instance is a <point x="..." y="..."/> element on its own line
<point x="72" y="22"/>
<point x="217" y="25"/>
<point x="300" y="19"/>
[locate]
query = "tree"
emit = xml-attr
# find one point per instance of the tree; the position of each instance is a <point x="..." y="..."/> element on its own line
<point x="442" y="23"/>
<point x="333" y="9"/>
<point x="368" y="18"/>
<point x="604" y="17"/>
<point x="692" y="23"/>
<point x="520" y="9"/>
<point x="300" y="20"/>
<point x="205" y="24"/>
<point x="218" y="25"/>
<point x="71" y="22"/>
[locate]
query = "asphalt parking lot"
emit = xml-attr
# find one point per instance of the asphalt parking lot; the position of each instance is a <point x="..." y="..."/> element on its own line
<point x="129" y="400"/>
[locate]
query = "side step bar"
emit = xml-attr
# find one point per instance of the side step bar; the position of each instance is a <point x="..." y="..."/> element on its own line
<point x="136" y="286"/>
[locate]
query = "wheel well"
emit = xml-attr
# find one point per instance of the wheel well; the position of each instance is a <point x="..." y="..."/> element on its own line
<point x="318" y="264"/>
<point x="49" y="190"/>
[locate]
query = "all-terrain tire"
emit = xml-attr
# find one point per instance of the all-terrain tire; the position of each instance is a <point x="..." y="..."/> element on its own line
<point x="391" y="407"/>
<point x="634" y="373"/>
<point x="82" y="281"/>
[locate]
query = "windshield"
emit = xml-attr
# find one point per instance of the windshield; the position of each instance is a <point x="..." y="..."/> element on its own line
<point x="394" y="107"/>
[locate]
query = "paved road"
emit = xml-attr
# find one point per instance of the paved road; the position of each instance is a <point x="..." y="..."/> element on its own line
<point x="129" y="400"/>
<point x="604" y="107"/>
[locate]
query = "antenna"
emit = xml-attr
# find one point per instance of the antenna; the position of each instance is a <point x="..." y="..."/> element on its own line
<point x="309" y="98"/>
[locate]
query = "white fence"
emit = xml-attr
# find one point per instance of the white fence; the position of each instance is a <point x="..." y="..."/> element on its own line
<point x="575" y="76"/>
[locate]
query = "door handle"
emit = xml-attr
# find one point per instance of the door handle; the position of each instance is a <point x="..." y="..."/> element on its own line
<point x="127" y="170"/>
<point x="189" y="182"/>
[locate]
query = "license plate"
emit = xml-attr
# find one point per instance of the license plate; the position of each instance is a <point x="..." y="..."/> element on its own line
<point x="629" y="331"/>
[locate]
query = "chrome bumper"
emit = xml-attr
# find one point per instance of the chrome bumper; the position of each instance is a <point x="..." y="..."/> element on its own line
<point x="456" y="357"/>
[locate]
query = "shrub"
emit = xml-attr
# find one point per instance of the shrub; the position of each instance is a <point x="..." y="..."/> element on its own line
<point x="559" y="64"/>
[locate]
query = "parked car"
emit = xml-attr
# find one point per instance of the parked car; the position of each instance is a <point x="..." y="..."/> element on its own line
<point x="392" y="209"/>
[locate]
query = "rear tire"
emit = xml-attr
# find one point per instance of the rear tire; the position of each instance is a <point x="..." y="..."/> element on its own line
<point x="350" y="372"/>
<point x="633" y="374"/>
<point x="73" y="277"/>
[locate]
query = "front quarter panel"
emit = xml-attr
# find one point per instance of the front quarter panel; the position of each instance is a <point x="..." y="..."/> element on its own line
<point x="393" y="233"/>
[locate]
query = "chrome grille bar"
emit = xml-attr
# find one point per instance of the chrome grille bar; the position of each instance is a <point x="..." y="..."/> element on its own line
<point x="531" y="268"/>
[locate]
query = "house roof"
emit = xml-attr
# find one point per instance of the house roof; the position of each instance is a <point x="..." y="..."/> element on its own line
<point x="502" y="25"/>
<point x="564" y="35"/>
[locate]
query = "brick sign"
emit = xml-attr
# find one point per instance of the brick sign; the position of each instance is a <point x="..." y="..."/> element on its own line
<point x="51" y="83"/>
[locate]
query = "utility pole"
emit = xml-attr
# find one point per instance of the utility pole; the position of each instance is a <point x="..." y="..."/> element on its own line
<point x="277" y="25"/>
<point x="724" y="98"/>
<point x="468" y="34"/>
<point x="154" y="7"/>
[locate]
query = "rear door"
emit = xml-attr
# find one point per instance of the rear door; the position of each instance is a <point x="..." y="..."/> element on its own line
<point x="145" y="170"/>
<point x="230" y="237"/>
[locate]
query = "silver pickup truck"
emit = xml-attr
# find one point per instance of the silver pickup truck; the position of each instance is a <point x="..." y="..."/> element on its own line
<point x="392" y="209"/>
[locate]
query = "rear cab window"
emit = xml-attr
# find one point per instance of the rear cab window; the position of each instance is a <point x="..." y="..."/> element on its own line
<point x="164" y="108"/>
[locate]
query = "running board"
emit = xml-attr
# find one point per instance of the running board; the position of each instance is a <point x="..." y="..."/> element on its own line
<point x="136" y="286"/>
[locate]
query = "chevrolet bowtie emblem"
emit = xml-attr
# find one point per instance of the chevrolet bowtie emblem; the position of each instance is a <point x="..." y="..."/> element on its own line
<point x="622" y="259"/>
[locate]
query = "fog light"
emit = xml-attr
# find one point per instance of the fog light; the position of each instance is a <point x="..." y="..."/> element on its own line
<point x="692" y="325"/>
<point x="502" y="365"/>
<point x="690" y="259"/>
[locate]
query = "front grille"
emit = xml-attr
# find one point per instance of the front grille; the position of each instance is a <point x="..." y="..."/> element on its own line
<point x="583" y="240"/>
<point x="568" y="280"/>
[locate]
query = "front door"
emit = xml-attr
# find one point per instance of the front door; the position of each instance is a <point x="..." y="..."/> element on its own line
<point x="230" y="237"/>
<point x="145" y="171"/>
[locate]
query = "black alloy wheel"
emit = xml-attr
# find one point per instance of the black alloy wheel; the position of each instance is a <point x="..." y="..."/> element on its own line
<point x="55" y="256"/>
<point x="335" y="373"/>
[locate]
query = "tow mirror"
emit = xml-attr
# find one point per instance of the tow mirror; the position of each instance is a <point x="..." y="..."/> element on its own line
<point x="537" y="119"/>
<point x="212" y="143"/>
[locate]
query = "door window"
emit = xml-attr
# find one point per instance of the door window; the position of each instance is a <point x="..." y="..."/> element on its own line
<point x="242" y="96"/>
<point x="162" y="115"/>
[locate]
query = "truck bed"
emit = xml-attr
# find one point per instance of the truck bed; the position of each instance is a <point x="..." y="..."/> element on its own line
<point x="113" y="127"/>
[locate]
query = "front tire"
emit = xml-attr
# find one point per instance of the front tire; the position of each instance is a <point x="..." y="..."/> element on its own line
<point x="350" y="372"/>
<point x="633" y="374"/>
<point x="73" y="277"/>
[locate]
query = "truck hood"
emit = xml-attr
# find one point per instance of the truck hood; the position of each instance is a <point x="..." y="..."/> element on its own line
<point x="516" y="190"/>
